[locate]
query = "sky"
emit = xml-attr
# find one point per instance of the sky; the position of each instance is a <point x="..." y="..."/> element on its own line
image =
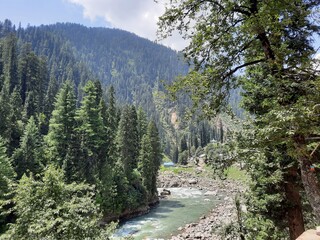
<point x="137" y="16"/>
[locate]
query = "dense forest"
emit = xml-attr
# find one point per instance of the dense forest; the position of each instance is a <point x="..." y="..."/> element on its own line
<point x="63" y="137"/>
<point x="138" y="70"/>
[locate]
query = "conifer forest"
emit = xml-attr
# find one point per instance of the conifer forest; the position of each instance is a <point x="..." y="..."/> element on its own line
<point x="90" y="116"/>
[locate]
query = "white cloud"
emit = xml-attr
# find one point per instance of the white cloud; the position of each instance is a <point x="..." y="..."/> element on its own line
<point x="138" y="16"/>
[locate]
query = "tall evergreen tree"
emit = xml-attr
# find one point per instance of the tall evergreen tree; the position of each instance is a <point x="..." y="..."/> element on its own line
<point x="52" y="91"/>
<point x="142" y="123"/>
<point x="91" y="131"/>
<point x="10" y="62"/>
<point x="61" y="136"/>
<point x="15" y="120"/>
<point x="156" y="154"/>
<point x="146" y="167"/>
<point x="127" y="140"/>
<point x="112" y="126"/>
<point x="5" y="113"/>
<point x="7" y="174"/>
<point x="29" y="156"/>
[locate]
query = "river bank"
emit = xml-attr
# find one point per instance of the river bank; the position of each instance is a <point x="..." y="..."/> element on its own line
<point x="208" y="226"/>
<point x="131" y="213"/>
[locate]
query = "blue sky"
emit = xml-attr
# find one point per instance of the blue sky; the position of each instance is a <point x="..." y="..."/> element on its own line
<point x="137" y="16"/>
<point x="37" y="12"/>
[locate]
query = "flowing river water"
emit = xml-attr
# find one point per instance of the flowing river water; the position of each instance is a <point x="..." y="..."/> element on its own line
<point x="183" y="206"/>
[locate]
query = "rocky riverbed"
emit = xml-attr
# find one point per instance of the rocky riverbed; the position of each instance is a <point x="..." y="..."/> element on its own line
<point x="208" y="226"/>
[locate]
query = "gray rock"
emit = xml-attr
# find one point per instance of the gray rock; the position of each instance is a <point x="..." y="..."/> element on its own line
<point x="165" y="192"/>
<point x="198" y="235"/>
<point x="193" y="181"/>
<point x="210" y="193"/>
<point x="174" y="184"/>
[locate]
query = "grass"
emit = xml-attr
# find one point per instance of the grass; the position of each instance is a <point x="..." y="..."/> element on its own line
<point x="234" y="173"/>
<point x="176" y="169"/>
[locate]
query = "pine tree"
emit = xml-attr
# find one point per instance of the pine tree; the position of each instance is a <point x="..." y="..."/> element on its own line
<point x="91" y="131"/>
<point x="30" y="106"/>
<point x="29" y="156"/>
<point x="10" y="62"/>
<point x="127" y="140"/>
<point x="146" y="167"/>
<point x="102" y="161"/>
<point x="29" y="68"/>
<point x="62" y="124"/>
<point x="52" y="91"/>
<point x="7" y="174"/>
<point x="15" y="121"/>
<point x="156" y="154"/>
<point x="142" y="123"/>
<point x="112" y="126"/>
<point x="5" y="113"/>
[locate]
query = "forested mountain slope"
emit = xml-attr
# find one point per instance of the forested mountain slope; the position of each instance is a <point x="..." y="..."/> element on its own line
<point x="53" y="139"/>
<point x="133" y="65"/>
<point x="137" y="69"/>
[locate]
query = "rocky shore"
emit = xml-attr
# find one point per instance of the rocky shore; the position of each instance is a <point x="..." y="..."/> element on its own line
<point x="209" y="226"/>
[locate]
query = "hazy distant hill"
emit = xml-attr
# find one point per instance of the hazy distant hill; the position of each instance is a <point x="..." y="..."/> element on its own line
<point x="133" y="65"/>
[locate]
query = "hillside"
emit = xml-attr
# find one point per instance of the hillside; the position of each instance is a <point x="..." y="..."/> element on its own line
<point x="133" y="65"/>
<point x="137" y="68"/>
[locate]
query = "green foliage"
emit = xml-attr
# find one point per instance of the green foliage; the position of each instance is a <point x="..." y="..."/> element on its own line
<point x="220" y="156"/>
<point x="50" y="96"/>
<point x="145" y="162"/>
<point x="91" y="132"/>
<point x="112" y="126"/>
<point x="62" y="125"/>
<point x="271" y="41"/>
<point x="183" y="158"/>
<point x="7" y="174"/>
<point x="51" y="209"/>
<point x="29" y="156"/>
<point x="142" y="123"/>
<point x="50" y="113"/>
<point x="156" y="154"/>
<point x="234" y="173"/>
<point x="5" y="125"/>
<point x="127" y="140"/>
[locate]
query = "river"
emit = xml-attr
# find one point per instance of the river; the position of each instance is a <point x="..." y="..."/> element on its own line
<point x="184" y="206"/>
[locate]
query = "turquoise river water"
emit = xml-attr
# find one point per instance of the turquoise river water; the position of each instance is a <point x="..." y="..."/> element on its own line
<point x="182" y="207"/>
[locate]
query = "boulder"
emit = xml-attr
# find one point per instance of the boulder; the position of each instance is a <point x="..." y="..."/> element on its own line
<point x="193" y="181"/>
<point x="309" y="235"/>
<point x="174" y="184"/>
<point x="210" y="193"/>
<point x="165" y="192"/>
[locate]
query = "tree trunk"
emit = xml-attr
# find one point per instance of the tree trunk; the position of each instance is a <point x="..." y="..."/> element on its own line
<point x="309" y="179"/>
<point x="295" y="215"/>
<point x="311" y="186"/>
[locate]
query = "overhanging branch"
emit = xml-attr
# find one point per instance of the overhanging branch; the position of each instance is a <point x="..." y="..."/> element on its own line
<point x="232" y="71"/>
